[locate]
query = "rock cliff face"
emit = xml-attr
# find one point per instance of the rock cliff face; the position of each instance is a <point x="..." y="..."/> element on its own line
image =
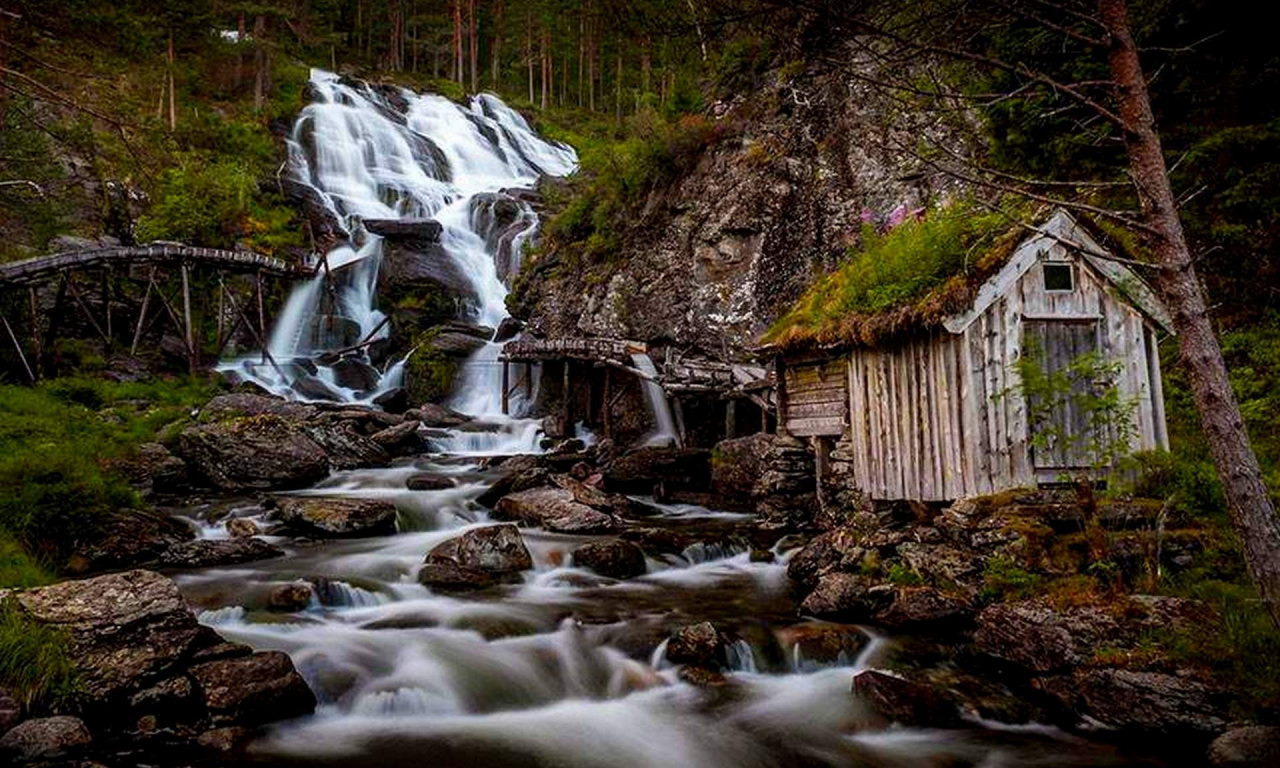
<point x="718" y="255"/>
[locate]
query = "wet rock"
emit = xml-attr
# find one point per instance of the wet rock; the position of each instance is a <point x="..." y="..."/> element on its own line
<point x="697" y="645"/>
<point x="458" y="342"/>
<point x="423" y="230"/>
<point x="1033" y="635"/>
<point x="10" y="711"/>
<point x="516" y="481"/>
<point x="46" y="738"/>
<point x="824" y="643"/>
<point x="290" y="597"/>
<point x="836" y="550"/>
<point x="925" y="607"/>
<point x="172" y="701"/>
<point x="313" y="388"/>
<point x="1253" y="746"/>
<point x="229" y="739"/>
<point x="943" y="563"/>
<point x="238" y="404"/>
<point x="433" y="415"/>
<point x="354" y="373"/>
<point x="208" y="553"/>
<point x="241" y="527"/>
<point x="553" y="509"/>
<point x="738" y="464"/>
<point x="154" y="470"/>
<point x="254" y="453"/>
<point x="615" y="558"/>
<point x="899" y="700"/>
<point x="477" y="558"/>
<point x="427" y="481"/>
<point x="129" y="538"/>
<point x="337" y="517"/>
<point x="1128" y="699"/>
<point x="394" y="400"/>
<point x="842" y="597"/>
<point x="508" y="329"/>
<point x="702" y="677"/>
<point x="638" y="471"/>
<point x="404" y="439"/>
<point x="345" y="446"/>
<point x="253" y="690"/>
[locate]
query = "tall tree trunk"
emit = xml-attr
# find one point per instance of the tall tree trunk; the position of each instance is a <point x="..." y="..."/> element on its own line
<point x="528" y="51"/>
<point x="173" y="102"/>
<point x="456" y="65"/>
<point x="591" y="63"/>
<point x="241" y="31"/>
<point x="1252" y="512"/>
<point x="495" y="52"/>
<point x="617" y="89"/>
<point x="545" y="56"/>
<point x="474" y="44"/>
<point x="564" y="79"/>
<point x="261" y="63"/>
<point x="582" y="52"/>
<point x="646" y="66"/>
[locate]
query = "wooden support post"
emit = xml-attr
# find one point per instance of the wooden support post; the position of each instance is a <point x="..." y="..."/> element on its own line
<point x="764" y="418"/>
<point x="730" y="419"/>
<point x="37" y="351"/>
<point x="262" y="315"/>
<point x="186" y="319"/>
<point x="75" y="295"/>
<point x="106" y="304"/>
<point x="566" y="406"/>
<point x="222" y="291"/>
<point x="678" y="413"/>
<point x="506" y="387"/>
<point x="606" y="403"/>
<point x="30" y="374"/>
<point x="142" y="314"/>
<point x="780" y="392"/>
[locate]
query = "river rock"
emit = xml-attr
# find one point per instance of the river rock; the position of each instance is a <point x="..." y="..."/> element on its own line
<point x="253" y="690"/>
<point x="508" y="329"/>
<point x="738" y="464"/>
<point x="824" y="643"/>
<point x="241" y="527"/>
<point x="395" y="400"/>
<point x="943" y="563"/>
<point x="154" y="470"/>
<point x="290" y="597"/>
<point x="638" y="471"/>
<point x="238" y="404"/>
<point x="555" y="510"/>
<point x="10" y="710"/>
<point x="337" y="517"/>
<point x="836" y="550"/>
<point x="925" y="606"/>
<point x="1135" y="700"/>
<point x="354" y="373"/>
<point x="478" y="558"/>
<point x="1036" y="637"/>
<point x="428" y="481"/>
<point x="899" y="700"/>
<point x="129" y="538"/>
<point x="346" y="447"/>
<point x="1251" y="746"/>
<point x="698" y="645"/>
<point x="519" y="478"/>
<point x="615" y="558"/>
<point x="433" y="415"/>
<point x="843" y="597"/>
<point x="208" y="553"/>
<point x="254" y="453"/>
<point x="46" y="738"/>
<point x="418" y="230"/>
<point x="404" y="439"/>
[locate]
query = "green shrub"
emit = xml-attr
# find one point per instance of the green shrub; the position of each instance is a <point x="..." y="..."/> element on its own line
<point x="19" y="570"/>
<point x="202" y="202"/>
<point x="1005" y="580"/>
<point x="35" y="661"/>
<point x="903" y="576"/>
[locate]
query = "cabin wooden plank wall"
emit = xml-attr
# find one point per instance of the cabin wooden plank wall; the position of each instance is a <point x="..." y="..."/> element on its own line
<point x="816" y="398"/>
<point x="942" y="417"/>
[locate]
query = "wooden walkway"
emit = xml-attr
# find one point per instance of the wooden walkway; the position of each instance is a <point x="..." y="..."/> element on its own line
<point x="44" y="267"/>
<point x="589" y="349"/>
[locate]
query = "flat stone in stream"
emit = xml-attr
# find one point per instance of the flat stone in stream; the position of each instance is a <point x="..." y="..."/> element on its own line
<point x="555" y="510"/>
<point x="427" y="481"/>
<point x="476" y="559"/>
<point x="403" y="439"/>
<point x="336" y="517"/>
<point x="253" y="690"/>
<point x="208" y="553"/>
<point x="899" y="700"/>
<point x="615" y="558"/>
<point x="433" y="415"/>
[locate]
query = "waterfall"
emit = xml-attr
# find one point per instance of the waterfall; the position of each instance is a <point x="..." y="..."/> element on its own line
<point x="665" y="434"/>
<point x="388" y="153"/>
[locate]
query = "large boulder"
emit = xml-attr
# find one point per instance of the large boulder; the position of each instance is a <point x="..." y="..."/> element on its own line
<point x="555" y="510"/>
<point x="844" y="597"/>
<point x="1135" y="700"/>
<point x="838" y="550"/>
<point x="918" y="607"/>
<point x="1040" y="639"/>
<point x="345" y="445"/>
<point x="475" y="559"/>
<point x="1252" y="746"/>
<point x="253" y="690"/>
<point x="418" y="231"/>
<point x="403" y="439"/>
<point x="238" y="404"/>
<point x="263" y="452"/>
<point x="209" y="553"/>
<point x="46" y="738"/>
<point x="614" y="558"/>
<point x="433" y="415"/>
<point x="699" y="645"/>
<point x="738" y="464"/>
<point x="336" y="517"/>
<point x="640" y="470"/>
<point x="129" y="538"/>
<point x="154" y="470"/>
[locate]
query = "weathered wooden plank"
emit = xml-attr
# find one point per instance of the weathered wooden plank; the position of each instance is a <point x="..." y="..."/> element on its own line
<point x="815" y="427"/>
<point x="981" y="404"/>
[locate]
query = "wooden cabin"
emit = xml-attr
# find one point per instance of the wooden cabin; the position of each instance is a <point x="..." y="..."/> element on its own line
<point x="939" y="416"/>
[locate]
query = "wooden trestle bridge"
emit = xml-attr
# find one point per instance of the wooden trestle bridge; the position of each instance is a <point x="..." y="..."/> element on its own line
<point x="100" y="287"/>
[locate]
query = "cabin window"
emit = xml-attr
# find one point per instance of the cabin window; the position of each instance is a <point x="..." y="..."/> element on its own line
<point x="1059" y="277"/>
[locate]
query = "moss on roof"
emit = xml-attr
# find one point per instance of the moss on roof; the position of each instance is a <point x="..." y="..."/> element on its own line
<point x="902" y="281"/>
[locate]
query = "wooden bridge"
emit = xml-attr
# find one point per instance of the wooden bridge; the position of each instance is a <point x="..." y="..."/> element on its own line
<point x="95" y="285"/>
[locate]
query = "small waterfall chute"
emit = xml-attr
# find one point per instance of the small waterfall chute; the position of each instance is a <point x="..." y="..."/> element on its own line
<point x="664" y="433"/>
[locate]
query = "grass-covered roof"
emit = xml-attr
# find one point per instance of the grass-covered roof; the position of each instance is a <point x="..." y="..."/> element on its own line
<point x="903" y="280"/>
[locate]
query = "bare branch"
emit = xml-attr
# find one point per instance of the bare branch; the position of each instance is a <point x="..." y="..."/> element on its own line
<point x="1067" y="242"/>
<point x="1060" y="29"/>
<point x="39" y="190"/>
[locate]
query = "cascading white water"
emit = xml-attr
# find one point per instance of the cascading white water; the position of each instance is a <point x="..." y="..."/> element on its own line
<point x="393" y="154"/>
<point x="665" y="433"/>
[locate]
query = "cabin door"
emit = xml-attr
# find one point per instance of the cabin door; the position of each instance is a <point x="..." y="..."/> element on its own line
<point x="1059" y="427"/>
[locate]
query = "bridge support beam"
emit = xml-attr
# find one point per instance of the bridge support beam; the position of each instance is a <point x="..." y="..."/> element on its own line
<point x="186" y="318"/>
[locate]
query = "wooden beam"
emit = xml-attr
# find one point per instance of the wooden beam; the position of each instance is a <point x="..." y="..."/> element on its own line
<point x="506" y="392"/>
<point x="186" y="317"/>
<point x="21" y="356"/>
<point x="780" y="392"/>
<point x="56" y="315"/>
<point x="37" y="352"/>
<point x="75" y="295"/>
<point x="142" y="314"/>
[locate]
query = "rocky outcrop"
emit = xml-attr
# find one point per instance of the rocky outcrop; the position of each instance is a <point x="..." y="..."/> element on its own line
<point x="613" y="558"/>
<point x="129" y="538"/>
<point x="142" y="660"/>
<point x="336" y="517"/>
<point x="896" y="699"/>
<point x="208" y="553"/>
<point x="263" y="452"/>
<point x="476" y="559"/>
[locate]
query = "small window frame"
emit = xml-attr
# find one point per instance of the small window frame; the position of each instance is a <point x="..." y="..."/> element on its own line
<point x="1060" y="268"/>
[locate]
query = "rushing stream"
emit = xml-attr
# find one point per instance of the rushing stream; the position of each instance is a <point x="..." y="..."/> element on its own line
<point x="567" y="668"/>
